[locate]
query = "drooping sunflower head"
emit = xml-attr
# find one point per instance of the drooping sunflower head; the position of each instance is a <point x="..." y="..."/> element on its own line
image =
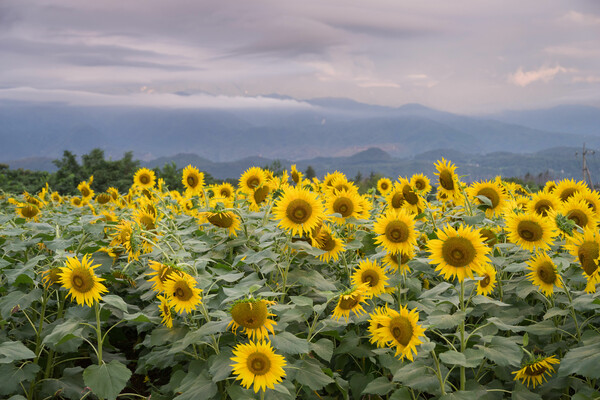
<point x="351" y="301"/>
<point x="28" y="211"/>
<point x="420" y="183"/>
<point x="384" y="185"/>
<point x="447" y="178"/>
<point x="51" y="276"/>
<point x="586" y="247"/>
<point x="252" y="179"/>
<point x="257" y="365"/>
<point x="85" y="190"/>
<point x="491" y="191"/>
<point x="399" y="329"/>
<point x="103" y="198"/>
<point x="542" y="203"/>
<point x="182" y="292"/>
<point x="396" y="231"/>
<point x="579" y="212"/>
<point x="165" y="311"/>
<point x="486" y="284"/>
<point x="530" y="231"/>
<point x="296" y="175"/>
<point x="81" y="281"/>
<point x="260" y="196"/>
<point x="159" y="274"/>
<point x="145" y="220"/>
<point x="398" y="261"/>
<point x="224" y="219"/>
<point x="192" y="179"/>
<point x="144" y="178"/>
<point x="113" y="192"/>
<point x="325" y="240"/>
<point x="566" y="188"/>
<point x="536" y="371"/>
<point x="56" y="198"/>
<point x="371" y="273"/>
<point x="298" y="211"/>
<point x="458" y="252"/>
<point x="543" y="273"/>
<point x="253" y="316"/>
<point x="412" y="201"/>
<point x="343" y="202"/>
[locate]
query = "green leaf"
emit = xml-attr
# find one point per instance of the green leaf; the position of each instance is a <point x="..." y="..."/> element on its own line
<point x="323" y="348"/>
<point x="16" y="300"/>
<point x="69" y="329"/>
<point x="401" y="394"/>
<point x="503" y="351"/>
<point x="555" y="311"/>
<point x="443" y="320"/>
<point x="302" y="301"/>
<point x="504" y="326"/>
<point x="12" y="351"/>
<point x="115" y="301"/>
<point x="582" y="361"/>
<point x="379" y="386"/>
<point x="310" y="374"/>
<point x="107" y="380"/>
<point x="416" y="375"/>
<point x="290" y="344"/>
<point x="487" y="300"/>
<point x="453" y="357"/>
<point x="12" y="377"/>
<point x="196" y="385"/>
<point x="220" y="365"/>
<point x="436" y="291"/>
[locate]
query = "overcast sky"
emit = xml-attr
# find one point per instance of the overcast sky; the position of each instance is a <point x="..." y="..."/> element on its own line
<point x="466" y="56"/>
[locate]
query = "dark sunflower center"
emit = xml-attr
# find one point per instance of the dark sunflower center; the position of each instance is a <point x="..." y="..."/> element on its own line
<point x="587" y="253"/>
<point x="298" y="211"/>
<point x="183" y="292"/>
<point x="446" y="180"/>
<point x="261" y="194"/>
<point x="85" y="191"/>
<point x="590" y="204"/>
<point x="164" y="273"/>
<point x="530" y="231"/>
<point x="148" y="222"/>
<point x="534" y="370"/>
<point x="489" y="237"/>
<point x="458" y="251"/>
<point x="258" y="363"/>
<point x="29" y="211"/>
<point x="344" y="206"/>
<point x="250" y="315"/>
<point x="253" y="182"/>
<point x="401" y="329"/>
<point x="103" y="198"/>
<point x="384" y="186"/>
<point x="545" y="272"/>
<point x="397" y="231"/>
<point x="144" y="179"/>
<point x="225" y="192"/>
<point x="222" y="220"/>
<point x="350" y="302"/>
<point x="409" y="195"/>
<point x="542" y="207"/>
<point x="82" y="281"/>
<point x="371" y="277"/>
<point x="491" y="194"/>
<point x="419" y="184"/>
<point x="328" y="243"/>
<point x="578" y="217"/>
<point x="485" y="281"/>
<point x="166" y="310"/>
<point x="192" y="181"/>
<point x="397" y="200"/>
<point x="295" y="176"/>
<point x="114" y="195"/>
<point x="568" y="192"/>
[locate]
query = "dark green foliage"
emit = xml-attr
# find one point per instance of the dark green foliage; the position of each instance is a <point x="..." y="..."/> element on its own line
<point x="20" y="180"/>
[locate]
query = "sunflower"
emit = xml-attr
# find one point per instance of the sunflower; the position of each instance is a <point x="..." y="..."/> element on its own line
<point x="165" y="311"/>
<point x="251" y="179"/>
<point x="113" y="192"/>
<point x="420" y="183"/>
<point x="145" y="219"/>
<point x="542" y="203"/>
<point x="373" y="275"/>
<point x="182" y="292"/>
<point x="458" y="252"/>
<point x="51" y="276"/>
<point x="260" y="196"/>
<point x="28" y="211"/>
<point x="86" y="192"/>
<point x="192" y="179"/>
<point x="103" y="198"/>
<point x="56" y="198"/>
<point x="486" y="285"/>
<point x="579" y="212"/>
<point x="592" y="198"/>
<point x="530" y="231"/>
<point x="330" y="177"/>
<point x="257" y="363"/>
<point x="395" y="198"/>
<point x="79" y="278"/>
<point x="490" y="236"/>
<point x="159" y="275"/>
<point x="543" y="273"/>
<point x="253" y="316"/>
<point x="224" y="219"/>
<point x="398" y="261"/>
<point x="343" y="202"/>
<point x="298" y="211"/>
<point x="586" y="247"/>
<point x="534" y="370"/>
<point x="567" y="188"/>
<point x="144" y="178"/>
<point x="225" y="190"/>
<point x="351" y="300"/>
<point x="493" y="192"/>
<point x="400" y="330"/>
<point x="125" y="236"/>
<point x="325" y="240"/>
<point x="375" y="319"/>
<point x="412" y="201"/>
<point x="550" y="187"/>
<point x="396" y="231"/>
<point x="447" y="179"/>
<point x="341" y="183"/>
<point x="364" y="207"/>
<point x="76" y="201"/>
<point x="296" y="175"/>
<point x="384" y="185"/>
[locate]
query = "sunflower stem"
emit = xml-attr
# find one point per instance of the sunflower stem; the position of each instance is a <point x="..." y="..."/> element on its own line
<point x="438" y="372"/>
<point x="98" y="333"/>
<point x="462" y="334"/>
<point x="571" y="308"/>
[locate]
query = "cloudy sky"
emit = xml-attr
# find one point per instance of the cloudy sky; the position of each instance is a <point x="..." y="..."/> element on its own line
<point x="466" y="56"/>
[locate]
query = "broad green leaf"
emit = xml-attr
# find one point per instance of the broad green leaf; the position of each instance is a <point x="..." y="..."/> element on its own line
<point x="582" y="361"/>
<point x="310" y="374"/>
<point x="13" y="376"/>
<point x="323" y="348"/>
<point x="17" y="300"/>
<point x="436" y="291"/>
<point x="115" y="301"/>
<point x="11" y="351"/>
<point x="503" y="351"/>
<point x="61" y="333"/>
<point x="443" y="320"/>
<point x="504" y="326"/>
<point x="107" y="380"/>
<point x="401" y="394"/>
<point x="416" y="375"/>
<point x="220" y="365"/>
<point x="290" y="344"/>
<point x="380" y="386"/>
<point x="453" y="357"/>
<point x="487" y="300"/>
<point x="196" y="384"/>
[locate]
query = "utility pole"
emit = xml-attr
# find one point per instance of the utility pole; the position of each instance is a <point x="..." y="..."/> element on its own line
<point x="584" y="168"/>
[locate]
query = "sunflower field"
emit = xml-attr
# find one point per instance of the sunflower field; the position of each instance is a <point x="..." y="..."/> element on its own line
<point x="290" y="288"/>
